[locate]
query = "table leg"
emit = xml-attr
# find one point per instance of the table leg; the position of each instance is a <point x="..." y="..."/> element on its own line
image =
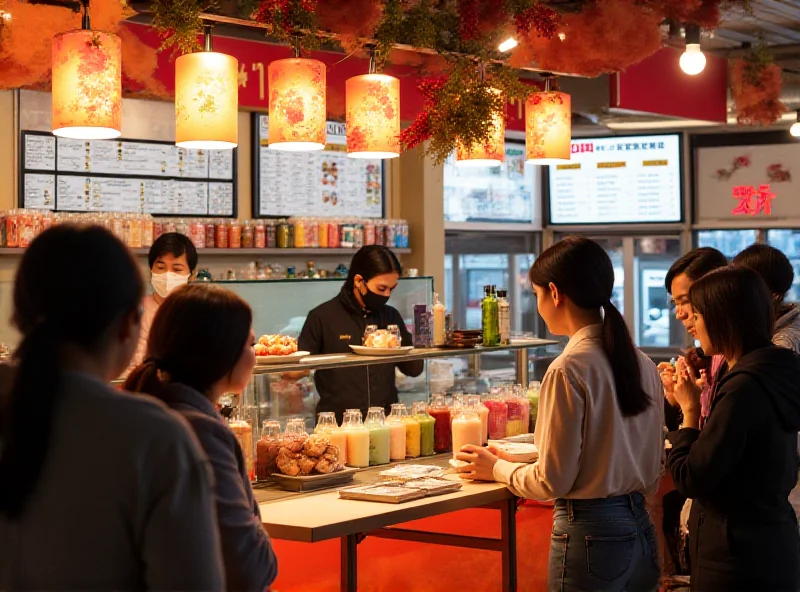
<point x="508" y="517"/>
<point x="349" y="563"/>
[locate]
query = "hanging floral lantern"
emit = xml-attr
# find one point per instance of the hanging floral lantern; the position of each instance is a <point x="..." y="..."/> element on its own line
<point x="297" y="107"/>
<point x="206" y="99"/>
<point x="373" y="116"/>
<point x="87" y="84"/>
<point x="489" y="153"/>
<point x="548" y="127"/>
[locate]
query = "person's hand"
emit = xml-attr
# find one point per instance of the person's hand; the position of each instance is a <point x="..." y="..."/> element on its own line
<point x="687" y="392"/>
<point x="481" y="463"/>
<point x="667" y="373"/>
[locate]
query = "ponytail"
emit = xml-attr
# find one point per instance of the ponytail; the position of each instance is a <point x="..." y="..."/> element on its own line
<point x="27" y="426"/>
<point x="145" y="379"/>
<point x="582" y="270"/>
<point x="624" y="360"/>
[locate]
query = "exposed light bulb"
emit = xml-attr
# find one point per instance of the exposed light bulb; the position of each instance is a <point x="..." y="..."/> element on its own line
<point x="795" y="129"/>
<point x="692" y="60"/>
<point x="4" y="16"/>
<point x="507" y="45"/>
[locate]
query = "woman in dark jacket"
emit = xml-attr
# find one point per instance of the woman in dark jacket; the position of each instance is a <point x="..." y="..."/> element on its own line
<point x="334" y="326"/>
<point x="740" y="469"/>
<point x="200" y="347"/>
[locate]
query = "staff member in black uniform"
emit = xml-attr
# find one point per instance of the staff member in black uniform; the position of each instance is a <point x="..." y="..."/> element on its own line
<point x="339" y="323"/>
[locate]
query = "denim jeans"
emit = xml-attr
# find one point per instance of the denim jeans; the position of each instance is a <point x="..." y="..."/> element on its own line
<point x="606" y="545"/>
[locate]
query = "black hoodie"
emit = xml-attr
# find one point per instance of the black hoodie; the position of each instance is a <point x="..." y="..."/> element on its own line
<point x="332" y="328"/>
<point x="739" y="470"/>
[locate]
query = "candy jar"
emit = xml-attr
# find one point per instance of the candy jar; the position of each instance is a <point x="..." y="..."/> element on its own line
<point x="267" y="449"/>
<point x="211" y="235"/>
<point x="426" y="428"/>
<point x="260" y="235"/>
<point x="271" y="232"/>
<point x="498" y="416"/>
<point x="197" y="232"/>
<point x="247" y="235"/>
<point x="467" y="427"/>
<point x="397" y="432"/>
<point x="235" y="235"/>
<point x="221" y="238"/>
<point x="358" y="449"/>
<point x="379" y="436"/>
<point x="327" y="426"/>
<point x="323" y="233"/>
<point x="244" y="433"/>
<point x="441" y="429"/>
<point x="299" y="232"/>
<point x="148" y="231"/>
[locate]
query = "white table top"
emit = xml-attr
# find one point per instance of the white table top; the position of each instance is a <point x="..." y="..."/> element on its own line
<point x="313" y="518"/>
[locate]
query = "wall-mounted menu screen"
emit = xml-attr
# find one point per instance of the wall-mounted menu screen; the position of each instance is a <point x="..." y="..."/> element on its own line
<point x="323" y="183"/>
<point x="618" y="180"/>
<point x="158" y="178"/>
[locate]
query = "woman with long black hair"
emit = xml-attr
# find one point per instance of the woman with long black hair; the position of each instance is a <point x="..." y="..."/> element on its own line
<point x="99" y="490"/>
<point x="339" y="323"/>
<point x="200" y="347"/>
<point x="740" y="468"/>
<point x="599" y="431"/>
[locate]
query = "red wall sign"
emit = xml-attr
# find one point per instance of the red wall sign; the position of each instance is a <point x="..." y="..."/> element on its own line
<point x="746" y="194"/>
<point x="254" y="58"/>
<point x="657" y="85"/>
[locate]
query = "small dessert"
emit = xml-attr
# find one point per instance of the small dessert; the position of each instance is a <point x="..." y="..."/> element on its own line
<point x="275" y="345"/>
<point x="382" y="339"/>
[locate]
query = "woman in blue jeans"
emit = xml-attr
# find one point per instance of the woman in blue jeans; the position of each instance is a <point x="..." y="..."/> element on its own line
<point x="599" y="431"/>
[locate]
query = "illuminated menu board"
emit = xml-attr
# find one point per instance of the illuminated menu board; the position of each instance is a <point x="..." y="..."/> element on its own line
<point x="618" y="180"/>
<point x="324" y="183"/>
<point x="66" y="175"/>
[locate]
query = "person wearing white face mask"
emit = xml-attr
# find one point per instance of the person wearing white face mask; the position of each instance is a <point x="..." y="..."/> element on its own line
<point x="173" y="263"/>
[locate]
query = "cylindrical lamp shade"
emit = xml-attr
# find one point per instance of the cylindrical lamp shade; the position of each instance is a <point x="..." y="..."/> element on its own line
<point x="297" y="105"/>
<point x="373" y="116"/>
<point x="490" y="153"/>
<point x="206" y="101"/>
<point x="87" y="85"/>
<point x="548" y="127"/>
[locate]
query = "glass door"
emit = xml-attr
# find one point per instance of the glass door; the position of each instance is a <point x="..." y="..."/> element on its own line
<point x="788" y="241"/>
<point x="728" y="242"/>
<point x="655" y="323"/>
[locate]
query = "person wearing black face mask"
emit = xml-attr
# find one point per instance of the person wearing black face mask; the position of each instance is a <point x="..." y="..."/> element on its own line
<point x="339" y="323"/>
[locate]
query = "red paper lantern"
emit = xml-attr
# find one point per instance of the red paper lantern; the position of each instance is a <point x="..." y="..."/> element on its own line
<point x="297" y="106"/>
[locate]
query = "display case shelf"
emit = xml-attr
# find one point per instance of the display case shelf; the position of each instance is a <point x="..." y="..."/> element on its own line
<point x="328" y="362"/>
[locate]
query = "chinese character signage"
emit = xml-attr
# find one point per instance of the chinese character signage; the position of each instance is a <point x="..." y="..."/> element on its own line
<point x="734" y="183"/>
<point x="752" y="201"/>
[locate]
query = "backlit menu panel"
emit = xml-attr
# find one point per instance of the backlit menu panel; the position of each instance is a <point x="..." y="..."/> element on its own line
<point x="618" y="180"/>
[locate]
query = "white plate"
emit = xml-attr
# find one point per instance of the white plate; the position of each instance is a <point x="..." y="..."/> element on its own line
<point x="517" y="452"/>
<point x="380" y="351"/>
<point x="288" y="359"/>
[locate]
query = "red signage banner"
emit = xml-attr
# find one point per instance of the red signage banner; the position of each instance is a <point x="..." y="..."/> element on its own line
<point x="657" y="85"/>
<point x="254" y="58"/>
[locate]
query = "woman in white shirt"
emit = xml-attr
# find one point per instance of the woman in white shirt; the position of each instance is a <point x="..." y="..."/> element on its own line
<point x="599" y="431"/>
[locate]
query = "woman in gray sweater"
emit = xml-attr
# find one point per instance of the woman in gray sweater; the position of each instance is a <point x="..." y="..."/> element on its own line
<point x="99" y="490"/>
<point x="200" y="347"/>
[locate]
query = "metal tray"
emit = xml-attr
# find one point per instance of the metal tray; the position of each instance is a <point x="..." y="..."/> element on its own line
<point x="314" y="482"/>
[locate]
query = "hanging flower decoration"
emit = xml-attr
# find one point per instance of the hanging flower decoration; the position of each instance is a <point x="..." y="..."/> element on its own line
<point x="604" y="37"/>
<point x="461" y="108"/>
<point x="179" y="24"/>
<point x="756" y="83"/>
<point x="287" y="18"/>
